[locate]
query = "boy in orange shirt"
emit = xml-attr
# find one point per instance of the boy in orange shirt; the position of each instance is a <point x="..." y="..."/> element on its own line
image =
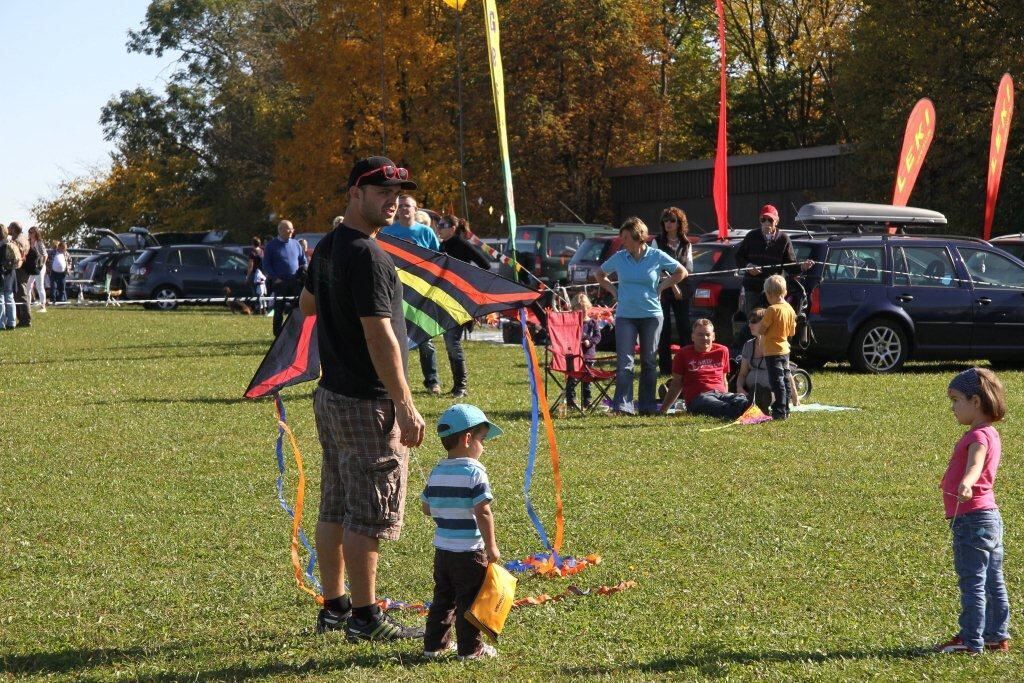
<point x="778" y="325"/>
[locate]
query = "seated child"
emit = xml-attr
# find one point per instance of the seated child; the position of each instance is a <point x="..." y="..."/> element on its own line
<point x="752" y="379"/>
<point x="590" y="336"/>
<point x="777" y="326"/>
<point x="458" y="498"/>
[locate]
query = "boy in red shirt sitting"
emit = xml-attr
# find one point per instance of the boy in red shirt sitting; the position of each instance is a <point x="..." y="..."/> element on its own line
<point x="699" y="371"/>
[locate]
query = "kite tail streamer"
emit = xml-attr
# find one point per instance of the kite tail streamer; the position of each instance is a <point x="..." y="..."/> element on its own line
<point x="534" y="430"/>
<point x="296" y="515"/>
<point x="549" y="427"/>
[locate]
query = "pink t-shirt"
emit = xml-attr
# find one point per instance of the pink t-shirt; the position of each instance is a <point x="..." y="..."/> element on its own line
<point x="983" y="497"/>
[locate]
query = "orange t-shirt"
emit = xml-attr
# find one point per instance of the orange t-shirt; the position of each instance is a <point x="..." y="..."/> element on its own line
<point x="778" y="326"/>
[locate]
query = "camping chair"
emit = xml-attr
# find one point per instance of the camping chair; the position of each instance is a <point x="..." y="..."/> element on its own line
<point x="564" y="360"/>
<point x="112" y="294"/>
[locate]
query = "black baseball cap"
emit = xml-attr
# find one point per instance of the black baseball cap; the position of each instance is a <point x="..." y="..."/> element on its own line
<point x="364" y="170"/>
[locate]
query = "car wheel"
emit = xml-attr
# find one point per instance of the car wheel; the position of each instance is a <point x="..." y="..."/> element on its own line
<point x="168" y="297"/>
<point x="879" y="346"/>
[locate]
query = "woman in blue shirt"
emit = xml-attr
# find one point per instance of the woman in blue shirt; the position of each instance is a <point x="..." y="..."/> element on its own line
<point x="644" y="273"/>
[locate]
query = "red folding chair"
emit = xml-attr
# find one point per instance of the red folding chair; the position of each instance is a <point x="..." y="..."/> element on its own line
<point x="564" y="360"/>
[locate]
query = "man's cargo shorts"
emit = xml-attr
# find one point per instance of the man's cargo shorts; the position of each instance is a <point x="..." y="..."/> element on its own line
<point x="365" y="467"/>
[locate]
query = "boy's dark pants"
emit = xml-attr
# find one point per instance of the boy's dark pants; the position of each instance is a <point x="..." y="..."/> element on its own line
<point x="457" y="580"/>
<point x="778" y="369"/>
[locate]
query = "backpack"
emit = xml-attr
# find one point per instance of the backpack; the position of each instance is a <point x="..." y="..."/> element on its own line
<point x="33" y="261"/>
<point x="8" y="257"/>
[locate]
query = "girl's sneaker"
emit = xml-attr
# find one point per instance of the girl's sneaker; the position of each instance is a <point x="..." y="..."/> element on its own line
<point x="955" y="645"/>
<point x="485" y="652"/>
<point x="998" y="645"/>
<point x="434" y="654"/>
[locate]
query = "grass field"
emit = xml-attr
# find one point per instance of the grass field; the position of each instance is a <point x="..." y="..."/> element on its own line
<point x="141" y="537"/>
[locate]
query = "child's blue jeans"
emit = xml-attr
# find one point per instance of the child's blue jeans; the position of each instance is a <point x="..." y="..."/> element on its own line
<point x="978" y="559"/>
<point x="778" y="371"/>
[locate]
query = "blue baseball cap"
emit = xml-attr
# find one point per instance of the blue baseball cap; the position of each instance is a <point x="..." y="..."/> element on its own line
<point x="463" y="416"/>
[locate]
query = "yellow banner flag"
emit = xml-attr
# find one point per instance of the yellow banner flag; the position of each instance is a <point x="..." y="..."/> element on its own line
<point x="498" y="91"/>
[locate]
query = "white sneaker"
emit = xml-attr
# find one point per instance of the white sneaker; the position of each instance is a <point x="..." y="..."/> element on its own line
<point x="485" y="652"/>
<point x="434" y="654"/>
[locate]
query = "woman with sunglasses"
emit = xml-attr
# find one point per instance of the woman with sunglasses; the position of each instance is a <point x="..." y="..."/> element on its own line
<point x="675" y="301"/>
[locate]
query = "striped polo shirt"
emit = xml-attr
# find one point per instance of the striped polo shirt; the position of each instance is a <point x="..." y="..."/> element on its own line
<point x="456" y="485"/>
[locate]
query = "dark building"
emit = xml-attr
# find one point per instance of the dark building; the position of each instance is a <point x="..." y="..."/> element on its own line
<point x="787" y="179"/>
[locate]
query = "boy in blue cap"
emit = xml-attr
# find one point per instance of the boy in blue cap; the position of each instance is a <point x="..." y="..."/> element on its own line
<point x="458" y="498"/>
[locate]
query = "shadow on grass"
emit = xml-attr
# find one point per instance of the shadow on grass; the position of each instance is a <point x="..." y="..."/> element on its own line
<point x="240" y="672"/>
<point x="67" y="661"/>
<point x="715" y="661"/>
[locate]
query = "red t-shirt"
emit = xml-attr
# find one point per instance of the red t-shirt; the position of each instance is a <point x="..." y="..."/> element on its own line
<point x="701" y="371"/>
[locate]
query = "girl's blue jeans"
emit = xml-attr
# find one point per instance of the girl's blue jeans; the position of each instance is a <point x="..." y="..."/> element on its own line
<point x="978" y="559"/>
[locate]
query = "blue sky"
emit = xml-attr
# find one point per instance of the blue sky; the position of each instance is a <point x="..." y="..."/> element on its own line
<point x="60" y="61"/>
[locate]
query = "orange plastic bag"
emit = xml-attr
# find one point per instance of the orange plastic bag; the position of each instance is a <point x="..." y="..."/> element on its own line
<point x="492" y="604"/>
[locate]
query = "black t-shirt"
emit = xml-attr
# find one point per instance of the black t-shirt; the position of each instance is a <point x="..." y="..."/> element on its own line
<point x="352" y="278"/>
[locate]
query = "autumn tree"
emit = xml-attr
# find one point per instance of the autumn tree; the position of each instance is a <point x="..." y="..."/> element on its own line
<point x="954" y="52"/>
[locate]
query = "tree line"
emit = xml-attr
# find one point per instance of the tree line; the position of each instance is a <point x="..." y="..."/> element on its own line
<point x="271" y="101"/>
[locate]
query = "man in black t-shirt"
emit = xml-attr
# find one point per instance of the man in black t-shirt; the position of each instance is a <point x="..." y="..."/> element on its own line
<point x="364" y="410"/>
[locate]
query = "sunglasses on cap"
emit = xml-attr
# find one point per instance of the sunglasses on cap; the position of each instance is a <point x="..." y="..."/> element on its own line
<point x="389" y="172"/>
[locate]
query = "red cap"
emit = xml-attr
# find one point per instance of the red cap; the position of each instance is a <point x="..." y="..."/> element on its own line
<point x="769" y="210"/>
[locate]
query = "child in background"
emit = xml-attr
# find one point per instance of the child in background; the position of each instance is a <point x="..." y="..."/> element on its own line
<point x="590" y="337"/>
<point x="978" y="400"/>
<point x="777" y="326"/>
<point x="458" y="498"/>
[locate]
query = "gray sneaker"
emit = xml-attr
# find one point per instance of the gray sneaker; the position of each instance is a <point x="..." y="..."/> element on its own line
<point x="329" y="620"/>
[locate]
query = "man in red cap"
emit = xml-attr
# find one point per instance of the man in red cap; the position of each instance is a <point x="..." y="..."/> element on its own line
<point x="365" y="415"/>
<point x="763" y="253"/>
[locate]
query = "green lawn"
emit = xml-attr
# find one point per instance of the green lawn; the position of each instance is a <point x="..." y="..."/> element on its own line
<point x="142" y="539"/>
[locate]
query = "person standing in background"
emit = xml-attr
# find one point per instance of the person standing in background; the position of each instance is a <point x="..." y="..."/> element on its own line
<point x="405" y="227"/>
<point x="284" y="264"/>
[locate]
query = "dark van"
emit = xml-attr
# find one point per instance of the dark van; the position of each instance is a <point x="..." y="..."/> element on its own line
<point x="545" y="250"/>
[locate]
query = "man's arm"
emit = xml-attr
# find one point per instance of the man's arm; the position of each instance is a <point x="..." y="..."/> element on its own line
<point x="673" y="393"/>
<point x="485" y="520"/>
<point x="386" y="355"/>
<point x="268" y="262"/>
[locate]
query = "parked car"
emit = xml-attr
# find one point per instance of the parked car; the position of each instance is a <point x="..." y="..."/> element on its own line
<point x="1011" y="244"/>
<point x="89" y="275"/>
<point x="135" y="238"/>
<point x="186" y="271"/>
<point x="545" y="250"/>
<point x="312" y="238"/>
<point x="878" y="300"/>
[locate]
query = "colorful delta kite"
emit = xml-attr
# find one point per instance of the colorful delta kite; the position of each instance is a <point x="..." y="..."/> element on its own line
<point x="439" y="293"/>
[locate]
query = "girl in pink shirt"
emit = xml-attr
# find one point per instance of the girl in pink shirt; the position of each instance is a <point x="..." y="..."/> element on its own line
<point x="978" y="400"/>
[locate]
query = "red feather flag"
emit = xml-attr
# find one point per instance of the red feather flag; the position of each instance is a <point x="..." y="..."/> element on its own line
<point x="916" y="140"/>
<point x="720" y="189"/>
<point x="997" y="149"/>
